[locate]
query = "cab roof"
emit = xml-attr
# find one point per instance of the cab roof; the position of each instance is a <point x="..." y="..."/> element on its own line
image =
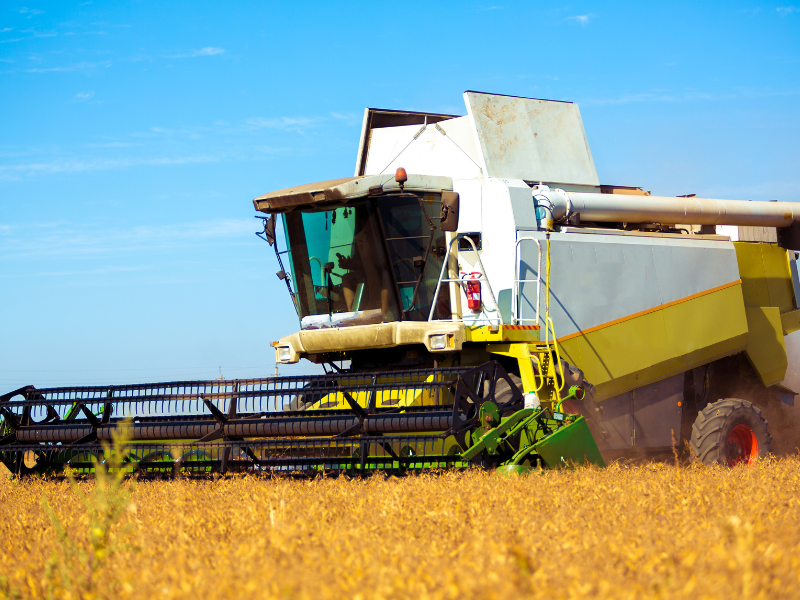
<point x="336" y="192"/>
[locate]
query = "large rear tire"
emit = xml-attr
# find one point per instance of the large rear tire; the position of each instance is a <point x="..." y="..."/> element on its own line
<point x="730" y="432"/>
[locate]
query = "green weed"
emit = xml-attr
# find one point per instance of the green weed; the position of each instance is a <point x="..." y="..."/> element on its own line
<point x="73" y="567"/>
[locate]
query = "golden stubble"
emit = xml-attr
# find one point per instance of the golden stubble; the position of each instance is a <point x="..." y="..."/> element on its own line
<point x="647" y="531"/>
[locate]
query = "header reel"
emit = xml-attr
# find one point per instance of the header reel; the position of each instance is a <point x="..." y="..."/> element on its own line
<point x="344" y="422"/>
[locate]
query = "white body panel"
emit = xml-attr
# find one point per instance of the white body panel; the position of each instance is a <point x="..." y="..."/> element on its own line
<point x="501" y="136"/>
<point x="488" y="208"/>
<point x="448" y="147"/>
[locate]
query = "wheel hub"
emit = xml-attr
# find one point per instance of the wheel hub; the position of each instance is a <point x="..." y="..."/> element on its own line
<point x="742" y="446"/>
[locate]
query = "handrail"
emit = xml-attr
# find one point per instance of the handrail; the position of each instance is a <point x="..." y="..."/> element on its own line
<point x="515" y="304"/>
<point x="483" y="277"/>
<point x="321" y="269"/>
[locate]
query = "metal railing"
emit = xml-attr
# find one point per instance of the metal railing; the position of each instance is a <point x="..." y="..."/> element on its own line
<point x="459" y="281"/>
<point x="198" y="400"/>
<point x="515" y="297"/>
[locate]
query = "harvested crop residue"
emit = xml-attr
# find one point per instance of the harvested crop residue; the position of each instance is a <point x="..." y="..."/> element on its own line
<point x="653" y="530"/>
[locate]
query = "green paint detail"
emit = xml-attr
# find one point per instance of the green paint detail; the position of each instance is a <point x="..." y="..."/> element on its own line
<point x="573" y="393"/>
<point x="489" y="440"/>
<point x="766" y="349"/>
<point x="72" y="412"/>
<point x="514" y="470"/>
<point x="659" y="344"/>
<point x="569" y="446"/>
<point x="558" y="442"/>
<point x="489" y="411"/>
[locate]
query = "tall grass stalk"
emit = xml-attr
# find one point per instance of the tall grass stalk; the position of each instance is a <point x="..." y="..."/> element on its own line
<point x="73" y="567"/>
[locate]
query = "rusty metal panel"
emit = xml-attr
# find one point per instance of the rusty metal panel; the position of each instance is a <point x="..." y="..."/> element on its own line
<point x="534" y="140"/>
<point x="758" y="234"/>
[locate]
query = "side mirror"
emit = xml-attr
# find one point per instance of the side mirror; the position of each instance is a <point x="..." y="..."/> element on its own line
<point x="269" y="229"/>
<point x="449" y="220"/>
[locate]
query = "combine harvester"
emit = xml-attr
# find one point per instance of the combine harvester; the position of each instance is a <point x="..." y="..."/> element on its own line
<point x="493" y="305"/>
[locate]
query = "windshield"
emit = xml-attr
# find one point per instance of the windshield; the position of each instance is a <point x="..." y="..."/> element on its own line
<point x="339" y="262"/>
<point x="408" y="236"/>
<point x="339" y="266"/>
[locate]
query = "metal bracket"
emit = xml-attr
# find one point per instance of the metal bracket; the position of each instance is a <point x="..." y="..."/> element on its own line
<point x="23" y="391"/>
<point x="468" y="400"/>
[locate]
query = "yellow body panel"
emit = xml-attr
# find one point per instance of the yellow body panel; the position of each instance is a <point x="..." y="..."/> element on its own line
<point x="790" y="321"/>
<point x="766" y="349"/>
<point x="504" y="333"/>
<point x="771" y="306"/>
<point x="766" y="277"/>
<point x="522" y="352"/>
<point x="405" y="395"/>
<point x="657" y="344"/>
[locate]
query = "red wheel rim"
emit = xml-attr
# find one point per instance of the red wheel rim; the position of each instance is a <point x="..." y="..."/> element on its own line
<point x="742" y="446"/>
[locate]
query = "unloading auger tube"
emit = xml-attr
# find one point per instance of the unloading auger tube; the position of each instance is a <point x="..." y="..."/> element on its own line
<point x="622" y="208"/>
<point x="393" y="421"/>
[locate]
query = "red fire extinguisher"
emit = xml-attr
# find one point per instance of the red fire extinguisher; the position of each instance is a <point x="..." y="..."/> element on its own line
<point x="472" y="288"/>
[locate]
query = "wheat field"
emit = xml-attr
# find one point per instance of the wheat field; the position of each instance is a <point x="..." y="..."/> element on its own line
<point x="646" y="531"/>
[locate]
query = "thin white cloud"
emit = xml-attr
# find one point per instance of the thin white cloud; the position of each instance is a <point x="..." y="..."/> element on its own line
<point x="219" y="141"/>
<point x="76" y="67"/>
<point x="787" y="10"/>
<point x="750" y="11"/>
<point x="39" y="34"/>
<point x="6" y="29"/>
<point x="287" y="123"/>
<point x="111" y="145"/>
<point x="83" y="96"/>
<point x="31" y="12"/>
<point x="653" y="97"/>
<point x="207" y="51"/>
<point x="11" y="40"/>
<point x="13" y="172"/>
<point x="73" y="239"/>
<point x="582" y="19"/>
<point x="692" y="96"/>
<point x="348" y="118"/>
<point x="101" y="271"/>
<point x="6" y="229"/>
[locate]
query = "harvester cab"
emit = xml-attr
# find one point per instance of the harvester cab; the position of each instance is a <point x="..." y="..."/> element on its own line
<point x="476" y="297"/>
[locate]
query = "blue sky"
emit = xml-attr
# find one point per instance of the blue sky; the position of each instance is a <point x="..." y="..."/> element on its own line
<point x="133" y="136"/>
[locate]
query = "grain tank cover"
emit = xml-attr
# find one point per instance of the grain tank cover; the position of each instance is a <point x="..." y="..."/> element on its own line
<point x="534" y="140"/>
